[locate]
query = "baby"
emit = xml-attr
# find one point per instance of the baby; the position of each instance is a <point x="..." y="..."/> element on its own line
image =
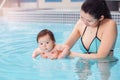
<point x="47" y="47"/>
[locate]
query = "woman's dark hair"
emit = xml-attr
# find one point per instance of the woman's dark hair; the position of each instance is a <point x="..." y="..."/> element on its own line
<point x="96" y="8"/>
<point x="45" y="32"/>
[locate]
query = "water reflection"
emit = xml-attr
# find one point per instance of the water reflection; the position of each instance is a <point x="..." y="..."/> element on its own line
<point x="92" y="68"/>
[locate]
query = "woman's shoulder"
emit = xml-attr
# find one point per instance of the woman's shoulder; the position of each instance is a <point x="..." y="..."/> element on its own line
<point x="109" y="22"/>
<point x="108" y="26"/>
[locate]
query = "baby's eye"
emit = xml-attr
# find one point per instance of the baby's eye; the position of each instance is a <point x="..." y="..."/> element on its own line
<point x="47" y="42"/>
<point x="41" y="43"/>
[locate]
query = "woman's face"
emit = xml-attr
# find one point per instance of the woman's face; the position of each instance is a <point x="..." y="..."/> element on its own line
<point x="88" y="19"/>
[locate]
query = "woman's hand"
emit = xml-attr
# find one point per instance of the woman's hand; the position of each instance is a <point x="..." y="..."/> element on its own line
<point x="64" y="51"/>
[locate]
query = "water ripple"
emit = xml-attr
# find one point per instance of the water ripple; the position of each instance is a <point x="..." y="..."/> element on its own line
<point x="17" y="44"/>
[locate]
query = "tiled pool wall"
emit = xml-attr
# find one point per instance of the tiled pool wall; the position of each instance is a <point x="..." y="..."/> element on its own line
<point x="116" y="17"/>
<point x="50" y="15"/>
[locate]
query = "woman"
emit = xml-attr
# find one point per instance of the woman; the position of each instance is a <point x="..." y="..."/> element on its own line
<point x="97" y="33"/>
<point x="96" y="30"/>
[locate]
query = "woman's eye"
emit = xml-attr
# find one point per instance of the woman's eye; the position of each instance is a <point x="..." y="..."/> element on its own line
<point x="89" y="21"/>
<point x="81" y="17"/>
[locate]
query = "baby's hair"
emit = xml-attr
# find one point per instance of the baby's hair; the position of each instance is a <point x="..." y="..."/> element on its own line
<point x="45" y="32"/>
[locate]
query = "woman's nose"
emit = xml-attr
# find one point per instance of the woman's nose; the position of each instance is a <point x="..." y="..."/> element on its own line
<point x="85" y="22"/>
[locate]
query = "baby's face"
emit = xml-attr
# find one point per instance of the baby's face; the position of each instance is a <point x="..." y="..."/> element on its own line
<point x="45" y="43"/>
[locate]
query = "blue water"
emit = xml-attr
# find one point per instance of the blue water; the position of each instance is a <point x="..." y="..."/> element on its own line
<point x="17" y="42"/>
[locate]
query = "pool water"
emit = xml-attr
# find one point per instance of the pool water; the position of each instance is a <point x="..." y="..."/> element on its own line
<point x="17" y="42"/>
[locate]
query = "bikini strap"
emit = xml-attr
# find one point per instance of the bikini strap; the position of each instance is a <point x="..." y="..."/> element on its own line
<point x="97" y="29"/>
<point x="97" y="34"/>
<point x="84" y="30"/>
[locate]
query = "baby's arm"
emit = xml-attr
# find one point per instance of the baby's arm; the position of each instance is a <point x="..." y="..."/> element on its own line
<point x="36" y="52"/>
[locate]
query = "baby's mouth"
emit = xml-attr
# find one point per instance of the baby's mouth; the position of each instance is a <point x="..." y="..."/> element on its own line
<point x="46" y="50"/>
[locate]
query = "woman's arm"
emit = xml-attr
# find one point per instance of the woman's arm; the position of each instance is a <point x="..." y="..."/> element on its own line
<point x="74" y="36"/>
<point x="71" y="41"/>
<point x="108" y="39"/>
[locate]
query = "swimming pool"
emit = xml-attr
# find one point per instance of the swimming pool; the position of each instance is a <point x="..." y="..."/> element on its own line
<point x="18" y="40"/>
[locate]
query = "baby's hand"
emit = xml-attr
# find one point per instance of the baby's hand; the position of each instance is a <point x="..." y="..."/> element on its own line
<point x="53" y="54"/>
